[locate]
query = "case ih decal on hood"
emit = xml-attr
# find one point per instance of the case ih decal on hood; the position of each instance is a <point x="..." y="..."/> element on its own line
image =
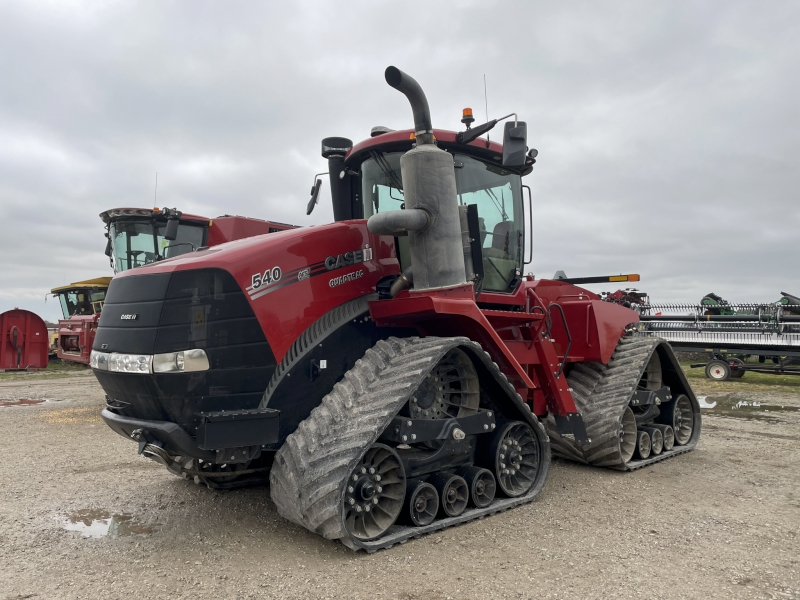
<point x="275" y="278"/>
<point x="348" y="259"/>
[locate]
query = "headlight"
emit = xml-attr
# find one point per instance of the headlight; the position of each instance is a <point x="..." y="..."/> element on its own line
<point x="129" y="363"/>
<point x="185" y="361"/>
<point x="99" y="360"/>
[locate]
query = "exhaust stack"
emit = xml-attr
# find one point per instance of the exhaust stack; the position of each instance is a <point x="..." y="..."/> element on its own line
<point x="431" y="216"/>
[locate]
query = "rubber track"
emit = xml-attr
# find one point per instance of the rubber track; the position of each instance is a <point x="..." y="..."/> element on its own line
<point x="311" y="468"/>
<point x="601" y="393"/>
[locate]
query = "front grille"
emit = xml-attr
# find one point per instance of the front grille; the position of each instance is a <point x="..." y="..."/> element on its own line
<point x="179" y="311"/>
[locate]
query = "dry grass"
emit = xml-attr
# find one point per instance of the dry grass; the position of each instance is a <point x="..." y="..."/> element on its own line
<point x="750" y="382"/>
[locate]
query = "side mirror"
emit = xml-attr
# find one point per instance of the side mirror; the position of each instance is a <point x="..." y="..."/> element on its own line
<point x="108" y="246"/>
<point x="515" y="140"/>
<point x="171" y="233"/>
<point x="314" y="195"/>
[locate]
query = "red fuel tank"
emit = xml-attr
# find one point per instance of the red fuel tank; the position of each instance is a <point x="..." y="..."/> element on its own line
<point x="23" y="340"/>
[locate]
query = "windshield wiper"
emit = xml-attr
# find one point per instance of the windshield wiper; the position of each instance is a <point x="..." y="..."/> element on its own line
<point x="384" y="166"/>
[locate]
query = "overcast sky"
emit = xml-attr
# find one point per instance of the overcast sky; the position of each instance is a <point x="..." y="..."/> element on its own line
<point x="668" y="132"/>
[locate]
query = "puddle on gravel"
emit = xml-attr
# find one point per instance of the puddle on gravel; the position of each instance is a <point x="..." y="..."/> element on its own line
<point x="729" y="405"/>
<point x="19" y="402"/>
<point x="97" y="523"/>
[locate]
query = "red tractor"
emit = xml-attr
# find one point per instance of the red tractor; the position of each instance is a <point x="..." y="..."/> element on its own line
<point x="393" y="372"/>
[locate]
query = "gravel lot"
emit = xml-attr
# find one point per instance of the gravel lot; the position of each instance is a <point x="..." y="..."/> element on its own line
<point x="720" y="522"/>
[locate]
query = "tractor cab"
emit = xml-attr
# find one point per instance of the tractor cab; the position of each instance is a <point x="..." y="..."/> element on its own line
<point x="138" y="237"/>
<point x="366" y="180"/>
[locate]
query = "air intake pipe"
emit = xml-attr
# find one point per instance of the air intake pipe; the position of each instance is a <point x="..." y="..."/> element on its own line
<point x="431" y="216"/>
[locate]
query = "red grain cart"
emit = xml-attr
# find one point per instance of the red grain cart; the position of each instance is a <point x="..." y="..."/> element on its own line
<point x="23" y="341"/>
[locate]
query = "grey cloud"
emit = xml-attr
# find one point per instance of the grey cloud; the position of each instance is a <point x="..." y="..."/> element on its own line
<point x="668" y="133"/>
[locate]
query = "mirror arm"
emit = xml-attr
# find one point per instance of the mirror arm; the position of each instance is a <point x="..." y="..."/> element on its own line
<point x="315" y="193"/>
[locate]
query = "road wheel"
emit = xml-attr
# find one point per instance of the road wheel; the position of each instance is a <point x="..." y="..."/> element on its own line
<point x="718" y="370"/>
<point x="736" y="368"/>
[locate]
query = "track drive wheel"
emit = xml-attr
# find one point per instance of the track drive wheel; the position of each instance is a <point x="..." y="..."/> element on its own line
<point x="718" y="370"/>
<point x="680" y="414"/>
<point x="514" y="456"/>
<point x="375" y="492"/>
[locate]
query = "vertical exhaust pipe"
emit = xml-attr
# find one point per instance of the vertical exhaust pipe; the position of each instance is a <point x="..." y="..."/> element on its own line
<point x="407" y="85"/>
<point x="431" y="215"/>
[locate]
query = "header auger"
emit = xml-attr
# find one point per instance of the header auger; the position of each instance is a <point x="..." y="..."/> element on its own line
<point x="393" y="373"/>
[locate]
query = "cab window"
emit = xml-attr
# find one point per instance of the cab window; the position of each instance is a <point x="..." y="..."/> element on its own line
<point x="495" y="191"/>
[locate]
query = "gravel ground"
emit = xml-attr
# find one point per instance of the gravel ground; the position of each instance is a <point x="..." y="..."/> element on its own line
<point x="720" y="522"/>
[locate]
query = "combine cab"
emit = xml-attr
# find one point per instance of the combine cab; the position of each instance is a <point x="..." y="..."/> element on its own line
<point x="393" y="373"/>
<point x="81" y="303"/>
<point x="138" y="237"/>
<point x="141" y="236"/>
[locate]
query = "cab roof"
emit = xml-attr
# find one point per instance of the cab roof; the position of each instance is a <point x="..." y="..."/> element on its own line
<point x="124" y="212"/>
<point x="398" y="141"/>
<point x="97" y="282"/>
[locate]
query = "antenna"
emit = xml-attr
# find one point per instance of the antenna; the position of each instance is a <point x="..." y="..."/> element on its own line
<point x="486" y="102"/>
<point x="155" y="194"/>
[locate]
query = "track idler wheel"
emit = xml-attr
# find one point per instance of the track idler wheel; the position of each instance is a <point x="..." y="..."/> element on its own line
<point x="453" y="493"/>
<point x="422" y="503"/>
<point x="514" y="456"/>
<point x="667" y="434"/>
<point x="642" y="444"/>
<point x="375" y="492"/>
<point x="482" y="485"/>
<point x="679" y="413"/>
<point x="656" y="440"/>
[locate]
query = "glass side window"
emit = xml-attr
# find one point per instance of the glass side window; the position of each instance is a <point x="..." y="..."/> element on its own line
<point x="138" y="243"/>
<point x="133" y="244"/>
<point x="498" y="195"/>
<point x="75" y="303"/>
<point x="96" y="298"/>
<point x="190" y="238"/>
<point x="381" y="183"/>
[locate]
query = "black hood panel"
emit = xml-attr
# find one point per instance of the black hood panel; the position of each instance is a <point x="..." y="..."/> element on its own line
<point x="203" y="308"/>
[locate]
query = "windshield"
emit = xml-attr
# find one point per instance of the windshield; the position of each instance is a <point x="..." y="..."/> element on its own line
<point x="497" y="193"/>
<point x="81" y="302"/>
<point x="140" y="242"/>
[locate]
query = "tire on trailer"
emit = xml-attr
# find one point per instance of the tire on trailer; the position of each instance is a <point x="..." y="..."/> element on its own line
<point x="736" y="365"/>
<point x="718" y="370"/>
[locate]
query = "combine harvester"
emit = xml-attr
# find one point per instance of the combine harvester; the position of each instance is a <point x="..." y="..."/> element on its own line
<point x="393" y="372"/>
<point x="729" y="331"/>
<point x="81" y="303"/>
<point x="138" y="237"/>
